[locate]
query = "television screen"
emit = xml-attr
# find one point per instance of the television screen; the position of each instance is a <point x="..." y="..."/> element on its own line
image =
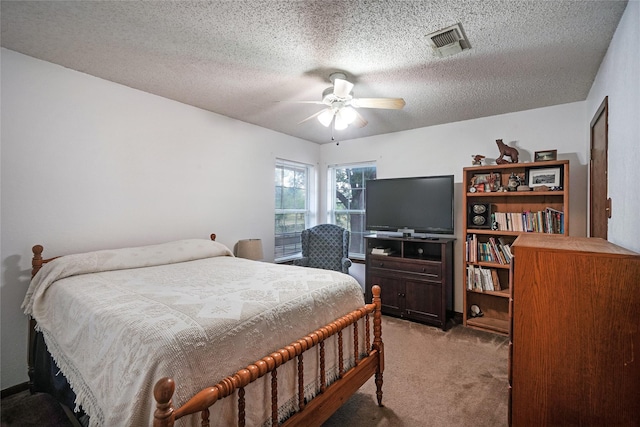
<point x="423" y="204"/>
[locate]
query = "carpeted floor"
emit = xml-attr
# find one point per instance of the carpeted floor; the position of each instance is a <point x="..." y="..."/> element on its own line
<point x="434" y="378"/>
<point x="431" y="378"/>
<point x="37" y="410"/>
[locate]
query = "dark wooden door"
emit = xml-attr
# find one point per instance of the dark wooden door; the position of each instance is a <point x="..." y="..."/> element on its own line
<point x="424" y="301"/>
<point x="599" y="203"/>
<point x="391" y="292"/>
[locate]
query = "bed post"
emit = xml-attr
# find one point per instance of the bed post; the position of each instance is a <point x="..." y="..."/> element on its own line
<point x="36" y="265"/>
<point x="36" y="261"/>
<point x="163" y="392"/>
<point x="377" y="340"/>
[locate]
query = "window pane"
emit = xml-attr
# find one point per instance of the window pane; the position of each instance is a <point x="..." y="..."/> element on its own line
<point x="291" y="201"/>
<point x="348" y="201"/>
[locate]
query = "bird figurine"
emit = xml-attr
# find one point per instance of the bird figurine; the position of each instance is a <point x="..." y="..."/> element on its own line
<point x="477" y="159"/>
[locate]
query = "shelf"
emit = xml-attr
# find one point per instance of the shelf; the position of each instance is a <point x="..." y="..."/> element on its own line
<point x="489" y="324"/>
<point x="506" y="233"/>
<point x="489" y="265"/>
<point x="516" y="193"/>
<point x="504" y="293"/>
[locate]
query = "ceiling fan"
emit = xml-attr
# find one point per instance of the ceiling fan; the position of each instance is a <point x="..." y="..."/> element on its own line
<point x="341" y="104"/>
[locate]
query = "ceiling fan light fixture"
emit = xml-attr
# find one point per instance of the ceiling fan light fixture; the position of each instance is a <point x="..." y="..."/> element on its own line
<point x="347" y="115"/>
<point x="340" y="124"/>
<point x="326" y="117"/>
<point x="342" y="88"/>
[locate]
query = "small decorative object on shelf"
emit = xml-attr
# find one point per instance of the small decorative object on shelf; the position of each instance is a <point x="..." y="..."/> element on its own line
<point x="477" y="159"/>
<point x="514" y="182"/>
<point x="505" y="150"/>
<point x="479" y="215"/>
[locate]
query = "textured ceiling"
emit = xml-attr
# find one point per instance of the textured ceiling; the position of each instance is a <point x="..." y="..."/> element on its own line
<point x="239" y="58"/>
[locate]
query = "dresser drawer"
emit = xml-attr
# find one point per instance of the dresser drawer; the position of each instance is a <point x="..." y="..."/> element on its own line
<point x="433" y="270"/>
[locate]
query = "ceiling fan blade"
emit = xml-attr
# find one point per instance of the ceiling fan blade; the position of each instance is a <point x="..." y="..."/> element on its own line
<point x="360" y="121"/>
<point x="388" y="103"/>
<point x="313" y="116"/>
<point x="342" y="88"/>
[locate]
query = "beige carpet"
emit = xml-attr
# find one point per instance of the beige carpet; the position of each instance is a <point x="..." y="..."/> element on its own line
<point x="434" y="378"/>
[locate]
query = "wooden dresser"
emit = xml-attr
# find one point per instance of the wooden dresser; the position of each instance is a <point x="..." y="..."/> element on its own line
<point x="575" y="333"/>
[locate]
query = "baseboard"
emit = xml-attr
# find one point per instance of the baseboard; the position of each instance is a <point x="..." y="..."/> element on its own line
<point x="14" y="390"/>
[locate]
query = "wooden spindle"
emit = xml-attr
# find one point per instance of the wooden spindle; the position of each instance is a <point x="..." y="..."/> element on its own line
<point x="241" y="407"/>
<point x="323" y="376"/>
<point x="274" y="398"/>
<point x="205" y="417"/>
<point x="340" y="362"/>
<point x="300" y="382"/>
<point x="355" y="343"/>
<point x="367" y="333"/>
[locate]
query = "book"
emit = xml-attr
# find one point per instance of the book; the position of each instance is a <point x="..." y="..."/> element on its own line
<point x="496" y="280"/>
<point x="381" y="251"/>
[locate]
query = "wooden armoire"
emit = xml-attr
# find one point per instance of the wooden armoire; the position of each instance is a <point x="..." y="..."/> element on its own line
<point x="575" y="333"/>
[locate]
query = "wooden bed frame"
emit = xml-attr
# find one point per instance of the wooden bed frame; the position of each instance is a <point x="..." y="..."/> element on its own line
<point x="312" y="413"/>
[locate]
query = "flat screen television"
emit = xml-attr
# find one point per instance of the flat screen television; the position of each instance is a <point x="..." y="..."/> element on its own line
<point x="410" y="205"/>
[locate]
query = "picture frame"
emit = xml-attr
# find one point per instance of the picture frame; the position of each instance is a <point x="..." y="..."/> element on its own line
<point x="545" y="156"/>
<point x="550" y="177"/>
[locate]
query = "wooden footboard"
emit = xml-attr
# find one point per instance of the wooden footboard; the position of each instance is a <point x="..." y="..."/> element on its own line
<point x="318" y="410"/>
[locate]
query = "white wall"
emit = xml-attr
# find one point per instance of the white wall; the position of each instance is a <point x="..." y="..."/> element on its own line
<point x="89" y="164"/>
<point x="618" y="79"/>
<point x="446" y="149"/>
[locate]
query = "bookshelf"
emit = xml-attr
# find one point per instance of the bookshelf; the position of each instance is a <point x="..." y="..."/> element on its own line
<point x="495" y="212"/>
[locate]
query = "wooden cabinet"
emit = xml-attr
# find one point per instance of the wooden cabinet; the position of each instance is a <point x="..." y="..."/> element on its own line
<point x="415" y="277"/>
<point x="574" y="354"/>
<point x="492" y="219"/>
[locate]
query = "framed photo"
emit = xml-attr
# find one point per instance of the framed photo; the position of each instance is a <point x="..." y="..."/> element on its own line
<point x="545" y="156"/>
<point x="551" y="177"/>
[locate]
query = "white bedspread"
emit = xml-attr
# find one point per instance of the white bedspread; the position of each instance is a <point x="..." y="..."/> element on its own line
<point x="116" y="321"/>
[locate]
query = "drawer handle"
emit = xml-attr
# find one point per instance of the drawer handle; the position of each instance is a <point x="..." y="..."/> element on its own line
<point x="381" y="264"/>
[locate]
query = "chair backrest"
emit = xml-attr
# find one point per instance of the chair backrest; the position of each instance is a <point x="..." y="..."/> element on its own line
<point x="325" y="245"/>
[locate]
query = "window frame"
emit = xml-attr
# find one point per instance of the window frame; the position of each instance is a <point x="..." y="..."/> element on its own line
<point x="332" y="201"/>
<point x="308" y="211"/>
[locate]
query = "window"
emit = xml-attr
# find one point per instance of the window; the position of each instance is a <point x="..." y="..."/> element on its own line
<point x="292" y="207"/>
<point x="347" y="186"/>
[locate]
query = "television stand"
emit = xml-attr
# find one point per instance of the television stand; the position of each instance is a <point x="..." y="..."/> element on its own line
<point x="415" y="276"/>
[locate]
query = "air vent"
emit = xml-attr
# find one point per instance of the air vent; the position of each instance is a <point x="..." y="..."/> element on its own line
<point x="449" y="41"/>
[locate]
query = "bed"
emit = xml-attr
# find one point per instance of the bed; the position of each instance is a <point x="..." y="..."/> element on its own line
<point x="158" y="334"/>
